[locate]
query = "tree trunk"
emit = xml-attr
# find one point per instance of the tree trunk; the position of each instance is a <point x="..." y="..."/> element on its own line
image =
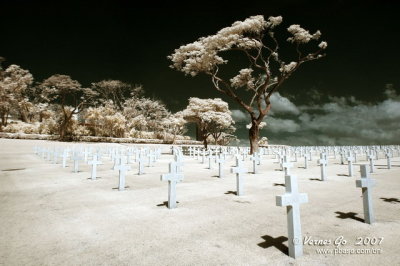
<point x="198" y="133"/>
<point x="24" y="116"/>
<point x="63" y="127"/>
<point x="205" y="142"/>
<point x="253" y="136"/>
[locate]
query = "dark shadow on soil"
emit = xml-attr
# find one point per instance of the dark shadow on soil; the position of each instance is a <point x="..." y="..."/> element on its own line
<point x="269" y="241"/>
<point x="391" y="200"/>
<point x="348" y="215"/>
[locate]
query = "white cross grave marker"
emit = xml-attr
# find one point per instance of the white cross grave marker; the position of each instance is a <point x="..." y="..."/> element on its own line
<point x="292" y="200"/>
<point x="256" y="161"/>
<point x="77" y="157"/>
<point x="239" y="170"/>
<point x="323" y="164"/>
<point x="371" y="158"/>
<point x="173" y="178"/>
<point x="140" y="160"/>
<point x="220" y="162"/>
<point x="366" y="184"/>
<point x="122" y="168"/>
<point x="350" y="164"/>
<point x="94" y="162"/>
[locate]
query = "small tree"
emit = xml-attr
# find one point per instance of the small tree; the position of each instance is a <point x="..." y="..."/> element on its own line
<point x="69" y="94"/>
<point x="266" y="72"/>
<point x="212" y="117"/>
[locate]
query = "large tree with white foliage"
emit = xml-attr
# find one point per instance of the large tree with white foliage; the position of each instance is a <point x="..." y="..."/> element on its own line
<point x="266" y="70"/>
<point x="69" y="95"/>
<point x="212" y="117"/>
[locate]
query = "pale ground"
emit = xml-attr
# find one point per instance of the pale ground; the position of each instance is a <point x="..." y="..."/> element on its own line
<point x="51" y="216"/>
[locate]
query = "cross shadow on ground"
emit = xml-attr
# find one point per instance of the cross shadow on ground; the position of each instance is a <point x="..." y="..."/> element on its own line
<point x="118" y="188"/>
<point x="230" y="192"/>
<point x="391" y="200"/>
<point x="315" y="179"/>
<point x="269" y="241"/>
<point x="278" y="184"/>
<point x="165" y="204"/>
<point x="348" y="215"/>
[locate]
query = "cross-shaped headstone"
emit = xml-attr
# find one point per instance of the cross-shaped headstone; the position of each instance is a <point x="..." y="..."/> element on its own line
<point x="203" y="156"/>
<point x="77" y="157"/>
<point x="341" y="157"/>
<point x="122" y="168"/>
<point x="239" y="170"/>
<point x="140" y="160"/>
<point x="94" y="162"/>
<point x="220" y="162"/>
<point x="322" y="162"/>
<point x="388" y="157"/>
<point x="117" y="160"/>
<point x="366" y="184"/>
<point x="173" y="178"/>
<point x="86" y="154"/>
<point x="210" y="158"/>
<point x="371" y="158"/>
<point x="256" y="161"/>
<point x="350" y="164"/>
<point x="306" y="160"/>
<point x="292" y="200"/>
<point x="64" y="158"/>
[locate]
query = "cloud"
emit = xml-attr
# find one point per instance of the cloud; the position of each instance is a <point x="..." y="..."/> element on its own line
<point x="343" y="121"/>
<point x="281" y="105"/>
<point x="281" y="125"/>
<point x="239" y="116"/>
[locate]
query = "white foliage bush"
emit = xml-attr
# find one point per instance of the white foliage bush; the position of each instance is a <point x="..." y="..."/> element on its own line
<point x="105" y="121"/>
<point x="21" y="127"/>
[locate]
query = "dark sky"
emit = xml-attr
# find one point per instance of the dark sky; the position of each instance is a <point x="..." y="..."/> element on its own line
<point x="95" y="40"/>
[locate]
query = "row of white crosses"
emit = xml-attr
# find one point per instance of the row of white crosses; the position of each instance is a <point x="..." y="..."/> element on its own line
<point x="121" y="158"/>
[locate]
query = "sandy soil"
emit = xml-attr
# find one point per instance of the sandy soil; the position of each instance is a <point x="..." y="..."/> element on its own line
<point x="51" y="216"/>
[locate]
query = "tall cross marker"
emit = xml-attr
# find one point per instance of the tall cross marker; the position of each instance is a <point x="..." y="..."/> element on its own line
<point x="140" y="162"/>
<point x="239" y="170"/>
<point x="350" y="164"/>
<point x="173" y="178"/>
<point x="256" y="161"/>
<point x="94" y="162"/>
<point x="77" y="157"/>
<point x="220" y="162"/>
<point x="323" y="164"/>
<point x="371" y="158"/>
<point x="122" y="168"/>
<point x="292" y="200"/>
<point x="366" y="184"/>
